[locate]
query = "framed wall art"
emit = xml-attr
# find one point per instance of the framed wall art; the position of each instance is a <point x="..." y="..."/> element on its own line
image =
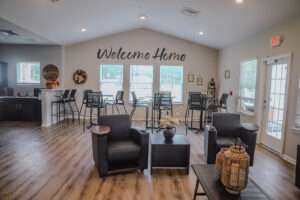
<point x="199" y="81"/>
<point x="227" y="74"/>
<point x="191" y="77"/>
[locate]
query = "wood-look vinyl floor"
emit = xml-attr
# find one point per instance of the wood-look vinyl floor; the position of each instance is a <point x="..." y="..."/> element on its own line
<point x="56" y="163"/>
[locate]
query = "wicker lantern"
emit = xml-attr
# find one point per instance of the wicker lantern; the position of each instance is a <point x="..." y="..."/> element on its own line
<point x="219" y="161"/>
<point x="235" y="169"/>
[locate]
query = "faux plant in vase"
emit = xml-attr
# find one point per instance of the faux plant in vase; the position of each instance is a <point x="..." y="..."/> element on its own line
<point x="168" y="122"/>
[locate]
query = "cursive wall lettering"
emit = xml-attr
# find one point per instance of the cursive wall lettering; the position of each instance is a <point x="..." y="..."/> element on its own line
<point x="160" y="54"/>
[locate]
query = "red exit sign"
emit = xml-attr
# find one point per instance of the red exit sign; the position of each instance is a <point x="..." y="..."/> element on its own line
<point x="276" y="41"/>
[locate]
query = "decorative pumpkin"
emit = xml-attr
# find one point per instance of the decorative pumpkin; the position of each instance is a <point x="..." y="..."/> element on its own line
<point x="80" y="76"/>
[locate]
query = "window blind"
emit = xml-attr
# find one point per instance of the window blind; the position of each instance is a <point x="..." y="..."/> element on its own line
<point x="297" y="123"/>
<point x="111" y="79"/>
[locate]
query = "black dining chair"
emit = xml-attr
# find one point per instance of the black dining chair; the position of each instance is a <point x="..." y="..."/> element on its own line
<point x="196" y="102"/>
<point x="119" y="100"/>
<point x="60" y="102"/>
<point x="223" y="102"/>
<point x="136" y="103"/>
<point x="162" y="101"/>
<point x="94" y="101"/>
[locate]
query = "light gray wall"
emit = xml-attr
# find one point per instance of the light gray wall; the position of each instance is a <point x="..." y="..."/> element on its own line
<point x="200" y="60"/>
<point x="45" y="54"/>
<point x="259" y="47"/>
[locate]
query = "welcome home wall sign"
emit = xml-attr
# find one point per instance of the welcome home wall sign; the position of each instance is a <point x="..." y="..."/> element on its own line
<point x="160" y="54"/>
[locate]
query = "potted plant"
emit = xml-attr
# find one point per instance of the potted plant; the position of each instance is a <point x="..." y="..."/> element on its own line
<point x="168" y="122"/>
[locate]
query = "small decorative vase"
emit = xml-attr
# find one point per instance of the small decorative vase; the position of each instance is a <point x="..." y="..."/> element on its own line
<point x="169" y="133"/>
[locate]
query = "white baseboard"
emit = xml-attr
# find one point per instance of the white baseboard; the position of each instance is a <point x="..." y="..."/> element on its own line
<point x="289" y="159"/>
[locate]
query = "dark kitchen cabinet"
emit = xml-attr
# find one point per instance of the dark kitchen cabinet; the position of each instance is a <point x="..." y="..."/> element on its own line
<point x="2" y="109"/>
<point x="22" y="109"/>
<point x="11" y="110"/>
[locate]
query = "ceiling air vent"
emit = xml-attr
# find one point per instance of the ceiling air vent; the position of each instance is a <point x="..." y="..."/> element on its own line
<point x="8" y="32"/>
<point x="190" y="12"/>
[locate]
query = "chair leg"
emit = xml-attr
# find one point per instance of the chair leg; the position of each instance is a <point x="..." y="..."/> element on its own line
<point x="91" y="117"/>
<point x="187" y="121"/>
<point x="117" y="108"/>
<point x="192" y="119"/>
<point x="77" y="111"/>
<point x="84" y="119"/>
<point x="81" y="108"/>
<point x="72" y="111"/>
<point x="132" y="111"/>
<point x="147" y="112"/>
<point x="124" y="108"/>
<point x="51" y="115"/>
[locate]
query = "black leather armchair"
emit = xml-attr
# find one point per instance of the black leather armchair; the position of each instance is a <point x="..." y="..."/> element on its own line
<point x="122" y="148"/>
<point x="223" y="133"/>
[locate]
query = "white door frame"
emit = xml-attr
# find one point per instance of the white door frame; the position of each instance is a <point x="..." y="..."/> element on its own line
<point x="264" y="64"/>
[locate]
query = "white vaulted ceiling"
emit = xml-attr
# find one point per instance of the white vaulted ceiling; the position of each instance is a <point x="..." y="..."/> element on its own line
<point x="223" y="22"/>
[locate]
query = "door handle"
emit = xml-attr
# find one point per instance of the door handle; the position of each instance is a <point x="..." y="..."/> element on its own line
<point x="265" y="104"/>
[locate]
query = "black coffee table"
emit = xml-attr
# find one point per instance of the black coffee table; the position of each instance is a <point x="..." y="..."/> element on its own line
<point x="170" y="154"/>
<point x="215" y="190"/>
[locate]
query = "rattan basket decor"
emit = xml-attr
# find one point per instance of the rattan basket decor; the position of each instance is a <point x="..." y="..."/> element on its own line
<point x="235" y="169"/>
<point x="219" y="161"/>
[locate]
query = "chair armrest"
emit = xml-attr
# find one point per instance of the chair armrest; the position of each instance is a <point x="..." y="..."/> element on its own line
<point x="249" y="136"/>
<point x="210" y="136"/>
<point x="99" y="144"/>
<point x="250" y="127"/>
<point x="141" y="138"/>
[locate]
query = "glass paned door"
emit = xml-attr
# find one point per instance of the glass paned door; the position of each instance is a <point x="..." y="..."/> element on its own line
<point x="275" y="96"/>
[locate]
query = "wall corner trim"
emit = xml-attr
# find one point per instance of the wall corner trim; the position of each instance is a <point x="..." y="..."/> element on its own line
<point x="289" y="159"/>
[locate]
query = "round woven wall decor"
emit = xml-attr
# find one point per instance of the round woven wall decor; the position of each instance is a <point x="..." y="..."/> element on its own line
<point x="50" y="72"/>
<point x="80" y="76"/>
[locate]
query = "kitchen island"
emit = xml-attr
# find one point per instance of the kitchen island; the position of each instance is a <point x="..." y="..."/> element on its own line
<point x="48" y="96"/>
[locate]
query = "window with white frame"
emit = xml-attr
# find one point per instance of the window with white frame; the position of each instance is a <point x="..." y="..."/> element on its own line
<point x="171" y="79"/>
<point x="28" y="73"/>
<point x="246" y="102"/>
<point x="297" y="122"/>
<point x="141" y="81"/>
<point x="111" y="79"/>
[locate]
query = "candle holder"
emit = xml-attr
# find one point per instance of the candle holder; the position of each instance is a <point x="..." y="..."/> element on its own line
<point x="219" y="161"/>
<point x="235" y="169"/>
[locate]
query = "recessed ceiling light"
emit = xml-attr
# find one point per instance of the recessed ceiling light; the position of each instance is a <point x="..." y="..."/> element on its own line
<point x="83" y="29"/>
<point x="239" y="1"/>
<point x="143" y="17"/>
<point x="201" y="33"/>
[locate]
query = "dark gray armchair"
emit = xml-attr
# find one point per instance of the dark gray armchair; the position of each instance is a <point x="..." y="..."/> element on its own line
<point x="122" y="148"/>
<point x="223" y="133"/>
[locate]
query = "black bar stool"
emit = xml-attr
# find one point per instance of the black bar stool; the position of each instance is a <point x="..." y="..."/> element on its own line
<point x="196" y="102"/>
<point x="136" y="103"/>
<point x="119" y="100"/>
<point x="71" y="100"/>
<point x="84" y="99"/>
<point x="94" y="101"/>
<point x="62" y="100"/>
